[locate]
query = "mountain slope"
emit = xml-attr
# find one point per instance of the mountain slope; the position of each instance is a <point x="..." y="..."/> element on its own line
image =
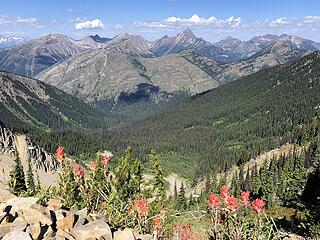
<point x="26" y="103"/>
<point x="134" y="45"/>
<point x="254" y="114"/>
<point x="245" y="49"/>
<point x="186" y="40"/>
<point x="105" y="74"/>
<point x="36" y="55"/>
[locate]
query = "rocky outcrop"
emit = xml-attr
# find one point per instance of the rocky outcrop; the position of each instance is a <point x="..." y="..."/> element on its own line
<point x="24" y="218"/>
<point x="44" y="164"/>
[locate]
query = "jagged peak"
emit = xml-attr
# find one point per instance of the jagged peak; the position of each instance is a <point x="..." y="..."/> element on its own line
<point x="186" y="33"/>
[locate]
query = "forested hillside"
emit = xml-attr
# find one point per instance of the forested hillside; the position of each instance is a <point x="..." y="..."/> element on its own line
<point x="212" y="131"/>
<point x="28" y="104"/>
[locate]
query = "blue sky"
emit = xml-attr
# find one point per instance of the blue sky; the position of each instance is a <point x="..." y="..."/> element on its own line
<point x="210" y="19"/>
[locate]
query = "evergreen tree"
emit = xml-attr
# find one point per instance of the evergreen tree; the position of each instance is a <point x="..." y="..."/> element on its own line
<point x="30" y="177"/>
<point x="175" y="190"/>
<point x="241" y="178"/>
<point x="157" y="172"/>
<point x="17" y="178"/>
<point x="266" y="188"/>
<point x="181" y="200"/>
<point x="247" y="182"/>
<point x="235" y="185"/>
<point x="255" y="182"/>
<point x="38" y="182"/>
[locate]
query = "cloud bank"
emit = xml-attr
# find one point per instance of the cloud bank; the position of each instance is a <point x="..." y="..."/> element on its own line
<point x="194" y="20"/>
<point x="89" y="24"/>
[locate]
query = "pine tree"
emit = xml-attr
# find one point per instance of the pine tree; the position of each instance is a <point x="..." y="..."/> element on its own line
<point x="181" y="200"/>
<point x="157" y="172"/>
<point x="255" y="182"/>
<point x="235" y="184"/>
<point x="266" y="188"/>
<point x="30" y="178"/>
<point x="38" y="182"/>
<point x="17" y="178"/>
<point x="247" y="182"/>
<point x="241" y="178"/>
<point x="175" y="190"/>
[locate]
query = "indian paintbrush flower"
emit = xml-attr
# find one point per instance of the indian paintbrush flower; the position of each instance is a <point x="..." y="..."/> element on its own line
<point x="258" y="205"/>
<point x="214" y="201"/>
<point x="59" y="153"/>
<point x="79" y="171"/>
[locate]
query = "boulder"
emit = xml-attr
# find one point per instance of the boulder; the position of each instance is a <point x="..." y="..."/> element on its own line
<point x="2" y="216"/>
<point x="66" y="223"/>
<point x="98" y="229"/>
<point x="62" y="235"/>
<point x="19" y="224"/>
<point x="143" y="236"/>
<point x="54" y="204"/>
<point x="34" y="230"/>
<point x="49" y="234"/>
<point x="18" y="204"/>
<point x="37" y="213"/>
<point x="5" y="195"/>
<point x="59" y="215"/>
<point x="126" y="234"/>
<point x="17" y="235"/>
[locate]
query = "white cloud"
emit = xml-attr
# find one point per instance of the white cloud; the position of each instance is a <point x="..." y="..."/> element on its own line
<point x="118" y="26"/>
<point x="279" y="22"/>
<point x="194" y="20"/>
<point x="11" y="20"/>
<point x="89" y="24"/>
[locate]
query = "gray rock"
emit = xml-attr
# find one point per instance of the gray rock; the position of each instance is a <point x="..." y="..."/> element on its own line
<point x="17" y="235"/>
<point x="19" y="224"/>
<point x="64" y="235"/>
<point x="34" y="230"/>
<point x="2" y="216"/>
<point x="143" y="237"/>
<point x="19" y="204"/>
<point x="5" y="195"/>
<point x="126" y="234"/>
<point x="37" y="213"/>
<point x="98" y="229"/>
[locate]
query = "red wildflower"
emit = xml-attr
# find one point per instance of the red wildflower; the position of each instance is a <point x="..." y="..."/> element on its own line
<point x="105" y="160"/>
<point x="245" y="198"/>
<point x="231" y="203"/>
<point x="214" y="201"/>
<point x="79" y="171"/>
<point x="186" y="233"/>
<point x="157" y="220"/>
<point x="141" y="207"/>
<point x="59" y="153"/>
<point x="93" y="166"/>
<point x="106" y="157"/>
<point x="258" y="205"/>
<point x="224" y="190"/>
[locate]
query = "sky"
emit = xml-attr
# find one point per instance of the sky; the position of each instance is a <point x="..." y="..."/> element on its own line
<point x="213" y="20"/>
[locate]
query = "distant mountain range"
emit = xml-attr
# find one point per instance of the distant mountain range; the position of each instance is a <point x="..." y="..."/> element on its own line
<point x="246" y="49"/>
<point x="7" y="41"/>
<point x="129" y="68"/>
